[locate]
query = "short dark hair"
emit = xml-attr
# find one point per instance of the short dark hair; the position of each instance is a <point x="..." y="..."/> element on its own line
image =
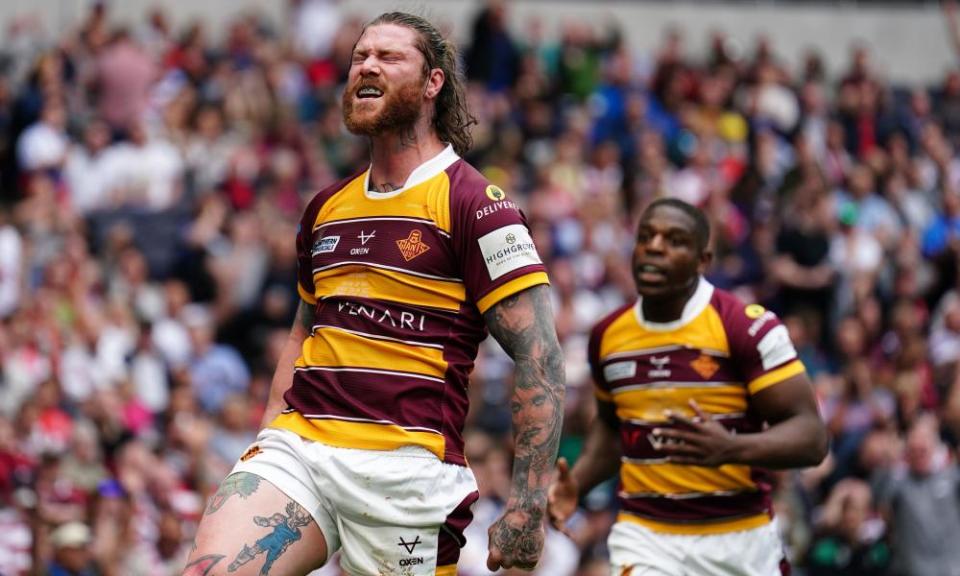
<point x="451" y="118"/>
<point x="700" y="222"/>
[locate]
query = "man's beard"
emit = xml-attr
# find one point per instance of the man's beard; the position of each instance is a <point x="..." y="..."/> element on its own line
<point x="400" y="110"/>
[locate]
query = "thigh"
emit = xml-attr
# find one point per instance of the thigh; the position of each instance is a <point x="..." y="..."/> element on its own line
<point x="400" y="512"/>
<point x="252" y="527"/>
<point x="638" y="551"/>
<point x="755" y="552"/>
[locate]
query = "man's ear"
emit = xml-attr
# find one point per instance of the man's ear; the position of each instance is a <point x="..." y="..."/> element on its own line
<point x="435" y="80"/>
<point x="706" y="258"/>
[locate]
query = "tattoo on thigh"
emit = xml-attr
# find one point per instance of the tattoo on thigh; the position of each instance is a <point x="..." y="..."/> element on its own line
<point x="242" y="483"/>
<point x="286" y="531"/>
<point x="202" y="565"/>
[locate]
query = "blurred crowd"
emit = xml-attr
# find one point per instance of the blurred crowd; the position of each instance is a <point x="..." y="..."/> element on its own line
<point x="151" y="179"/>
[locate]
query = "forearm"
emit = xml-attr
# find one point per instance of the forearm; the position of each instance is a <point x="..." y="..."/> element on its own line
<point x="600" y="458"/>
<point x="537" y="407"/>
<point x="282" y="377"/>
<point x="796" y="442"/>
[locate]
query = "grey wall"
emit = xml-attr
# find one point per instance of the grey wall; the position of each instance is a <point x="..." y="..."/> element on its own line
<point x="910" y="44"/>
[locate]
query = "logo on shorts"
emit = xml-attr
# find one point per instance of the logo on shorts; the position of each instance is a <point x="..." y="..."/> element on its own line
<point x="413" y="245"/>
<point x="410" y="546"/>
<point x="251" y="452"/>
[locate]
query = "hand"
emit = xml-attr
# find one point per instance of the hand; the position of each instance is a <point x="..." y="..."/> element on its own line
<point x="702" y="442"/>
<point x="516" y="540"/>
<point x="562" y="497"/>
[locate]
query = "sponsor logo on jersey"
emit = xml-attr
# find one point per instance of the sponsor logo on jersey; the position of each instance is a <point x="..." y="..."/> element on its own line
<point x="659" y="369"/>
<point x="413" y="245"/>
<point x="754" y="311"/>
<point x="395" y="318"/>
<point x="506" y="249"/>
<point x="620" y="370"/>
<point x="705" y="366"/>
<point x="775" y="348"/>
<point x="760" y="322"/>
<point x="325" y="245"/>
<point x="494" y="208"/>
<point x="251" y="452"/>
<point x="495" y="193"/>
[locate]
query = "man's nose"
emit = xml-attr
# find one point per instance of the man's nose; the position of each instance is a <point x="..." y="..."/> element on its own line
<point x="370" y="66"/>
<point x="655" y="243"/>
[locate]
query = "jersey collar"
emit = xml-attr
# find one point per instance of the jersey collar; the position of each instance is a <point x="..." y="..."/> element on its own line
<point x="694" y="306"/>
<point x="420" y="174"/>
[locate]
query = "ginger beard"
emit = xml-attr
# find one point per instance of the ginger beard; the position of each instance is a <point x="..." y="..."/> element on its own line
<point x="397" y="109"/>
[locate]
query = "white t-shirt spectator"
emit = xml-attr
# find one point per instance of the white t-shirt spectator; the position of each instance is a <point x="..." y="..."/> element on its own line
<point x="41" y="146"/>
<point x="11" y="261"/>
<point x="148" y="176"/>
<point x="87" y="177"/>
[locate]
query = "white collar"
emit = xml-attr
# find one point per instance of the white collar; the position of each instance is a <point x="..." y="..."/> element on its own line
<point x="420" y="174"/>
<point x="694" y="306"/>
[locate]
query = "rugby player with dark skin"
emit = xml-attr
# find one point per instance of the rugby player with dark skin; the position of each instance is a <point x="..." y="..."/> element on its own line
<point x="670" y="255"/>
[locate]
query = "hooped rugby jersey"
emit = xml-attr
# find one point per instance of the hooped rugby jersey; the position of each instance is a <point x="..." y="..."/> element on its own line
<point x="718" y="353"/>
<point x="400" y="281"/>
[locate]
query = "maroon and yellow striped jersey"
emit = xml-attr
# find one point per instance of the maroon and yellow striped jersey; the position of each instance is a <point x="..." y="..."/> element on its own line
<point x="719" y="353"/>
<point x="399" y="282"/>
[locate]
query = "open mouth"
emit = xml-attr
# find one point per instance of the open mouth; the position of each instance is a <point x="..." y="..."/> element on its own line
<point x="650" y="274"/>
<point x="369" y="92"/>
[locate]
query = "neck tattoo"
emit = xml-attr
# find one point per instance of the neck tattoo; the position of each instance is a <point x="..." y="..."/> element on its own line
<point x="385" y="187"/>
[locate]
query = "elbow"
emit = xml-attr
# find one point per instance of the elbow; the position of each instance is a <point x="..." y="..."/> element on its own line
<point x="819" y="444"/>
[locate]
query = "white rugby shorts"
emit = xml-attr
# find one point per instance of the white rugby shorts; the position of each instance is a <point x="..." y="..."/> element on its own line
<point x="636" y="550"/>
<point x="397" y="511"/>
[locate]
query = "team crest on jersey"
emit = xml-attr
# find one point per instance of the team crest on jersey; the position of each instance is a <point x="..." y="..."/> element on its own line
<point x="705" y="366"/>
<point x="413" y="245"/>
<point x="251" y="452"/>
<point x="495" y="193"/>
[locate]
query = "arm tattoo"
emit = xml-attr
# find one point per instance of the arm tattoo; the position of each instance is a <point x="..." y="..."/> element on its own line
<point x="242" y="483"/>
<point x="308" y="315"/>
<point x="286" y="531"/>
<point x="202" y="565"/>
<point x="523" y="325"/>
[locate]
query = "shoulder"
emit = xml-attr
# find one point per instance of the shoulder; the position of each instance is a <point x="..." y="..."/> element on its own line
<point x="321" y="197"/>
<point x="600" y="328"/>
<point x="741" y="319"/>
<point x="468" y="187"/>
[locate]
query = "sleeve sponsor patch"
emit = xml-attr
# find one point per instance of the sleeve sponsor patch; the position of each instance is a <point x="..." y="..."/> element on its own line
<point x="507" y="249"/>
<point x="775" y="348"/>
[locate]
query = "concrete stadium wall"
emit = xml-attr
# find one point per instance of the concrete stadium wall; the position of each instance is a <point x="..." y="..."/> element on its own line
<point x="909" y="43"/>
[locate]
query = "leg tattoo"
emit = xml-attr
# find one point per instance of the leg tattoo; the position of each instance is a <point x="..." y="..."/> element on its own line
<point x="242" y="483"/>
<point x="286" y="531"/>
